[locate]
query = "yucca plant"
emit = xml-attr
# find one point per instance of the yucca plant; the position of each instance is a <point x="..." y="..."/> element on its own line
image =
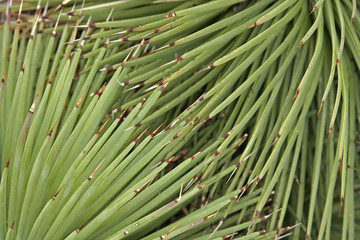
<point x="179" y="119"/>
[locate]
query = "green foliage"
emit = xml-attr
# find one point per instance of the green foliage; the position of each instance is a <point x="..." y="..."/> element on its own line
<point x="176" y="119"/>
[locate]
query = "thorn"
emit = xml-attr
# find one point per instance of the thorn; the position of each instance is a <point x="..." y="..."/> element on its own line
<point x="110" y="13"/>
<point x="12" y="225"/>
<point x="52" y="129"/>
<point x="296" y="94"/>
<point x="150" y="88"/>
<point x="205" y="184"/>
<point x="78" y="103"/>
<point x="341" y="204"/>
<point x="126" y="31"/>
<point x="229" y="235"/>
<point x="62" y="4"/>
<point x="123" y="83"/>
<point x="189" y="185"/>
<point x="19" y="14"/>
<point x="269" y="215"/>
<point x="284" y="236"/>
<point x="321" y="105"/>
<point x="256" y="183"/>
<point x="351" y="21"/>
<point x="7" y="164"/>
<point x="45" y="9"/>
<point x="314" y="8"/>
<point x="100" y="90"/>
<point x="330" y="130"/>
<point x="52" y="77"/>
<point x="54" y="197"/>
<point x="107" y="69"/>
<point x="134" y="87"/>
<point x="194" y="156"/>
<point x="170" y="159"/>
<point x="252" y="26"/>
<point x="300" y="44"/>
<point x="38" y="8"/>
<point x="277" y="138"/>
<point x="253" y="220"/>
<point x="126" y="58"/>
<point x="166" y="234"/>
<point x="82" y="226"/>
<point x="339" y="164"/>
<point x="154" y="132"/>
<point x="141" y="187"/>
<point x="217" y="227"/>
<point x="181" y="189"/>
<point x="171" y="15"/>
<point x="289" y="228"/>
<point x="93" y="173"/>
<point x="102" y="127"/>
<point x="122" y="114"/>
<point x="138" y="138"/>
<point x="243" y="189"/>
<point x="126" y="39"/>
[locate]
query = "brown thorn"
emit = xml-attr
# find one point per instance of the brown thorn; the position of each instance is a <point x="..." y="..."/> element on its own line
<point x="319" y="110"/>
<point x="204" y="185"/>
<point x="351" y="21"/>
<point x="211" y="66"/>
<point x="93" y="173"/>
<point x="229" y="235"/>
<point x="314" y="8"/>
<point x="102" y="127"/>
<point x="166" y="234"/>
<point x="7" y="164"/>
<point x="254" y="25"/>
<point x="296" y="94"/>
<point x="341" y="204"/>
<point x="138" y="138"/>
<point x="154" y="132"/>
<point x="82" y="226"/>
<point x="330" y="130"/>
<point x="194" y="156"/>
<point x="53" y="198"/>
<point x="175" y="137"/>
<point x="52" y="129"/>
<point x="339" y="164"/>
<point x="300" y="44"/>
<point x="162" y="89"/>
<point x="178" y="59"/>
<point x="122" y="114"/>
<point x="12" y="225"/>
<point x="170" y="159"/>
<point x="141" y="187"/>
<point x="253" y="220"/>
<point x="277" y="138"/>
<point x="101" y="89"/>
<point x="52" y="76"/>
<point x="78" y="103"/>
<point x="171" y="15"/>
